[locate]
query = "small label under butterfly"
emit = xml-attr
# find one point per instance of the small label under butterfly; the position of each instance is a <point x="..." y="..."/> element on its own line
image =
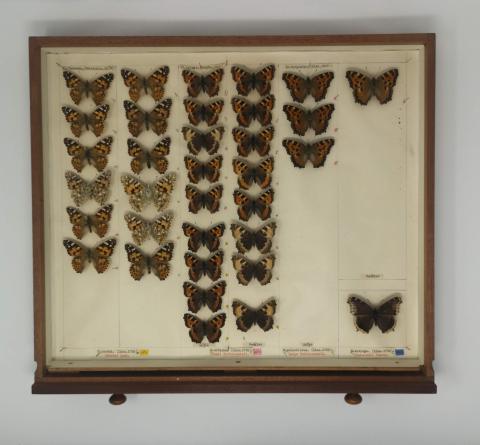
<point x="237" y="352"/>
<point x="308" y="351"/>
<point x="374" y="276"/>
<point x="378" y="352"/>
<point x="123" y="353"/>
<point x="307" y="65"/>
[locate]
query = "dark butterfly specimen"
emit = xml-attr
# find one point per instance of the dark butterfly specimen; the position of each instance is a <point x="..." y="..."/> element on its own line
<point x="143" y="157"/>
<point x="208" y="83"/>
<point x="210" y="267"/>
<point x="140" y="120"/>
<point x="197" y="237"/>
<point x="82" y="156"/>
<point x="302" y="119"/>
<point x="207" y="112"/>
<point x="300" y="87"/>
<point x="96" y="223"/>
<point x="198" y="140"/>
<point x="209" y="200"/>
<point x="199" y="329"/>
<point x="365" y="86"/>
<point x="97" y="88"/>
<point x="142" y="263"/>
<point x="247" y="80"/>
<point x="248" y="316"/>
<point x="249" y="173"/>
<point x="248" y="142"/>
<point x="197" y="170"/>
<point x="248" y="111"/>
<point x="98" y="255"/>
<point x="247" y="269"/>
<point x="248" y="205"/>
<point x="260" y="238"/>
<point x="80" y="121"/>
<point x="366" y="315"/>
<point x="199" y="297"/>
<point x="301" y="152"/>
<point x="153" y="84"/>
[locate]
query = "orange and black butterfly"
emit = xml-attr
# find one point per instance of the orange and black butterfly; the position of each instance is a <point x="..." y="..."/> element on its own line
<point x="82" y="156"/>
<point x="209" y="199"/>
<point x="249" y="173"/>
<point x="249" y="205"/>
<point x="81" y="190"/>
<point x="142" y="157"/>
<point x="80" y="121"/>
<point x="197" y="237"/>
<point x="140" y="120"/>
<point x="247" y="238"/>
<point x="247" y="316"/>
<point x="79" y="88"/>
<point x="207" y="112"/>
<point x="153" y="84"/>
<point x="198" y="140"/>
<point x="198" y="170"/>
<point x="199" y="329"/>
<point x="247" y="269"/>
<point x="302" y="119"/>
<point x="302" y="86"/>
<point x="98" y="255"/>
<point x="142" y="229"/>
<point x="248" y="142"/>
<point x="141" y="263"/>
<point x="301" y="152"/>
<point x="199" y="297"/>
<point x="366" y="315"/>
<point x="208" y="83"/>
<point x="247" y="80"/>
<point x="248" y="111"/>
<point x="210" y="267"/>
<point x="85" y="223"/>
<point x="365" y="86"/>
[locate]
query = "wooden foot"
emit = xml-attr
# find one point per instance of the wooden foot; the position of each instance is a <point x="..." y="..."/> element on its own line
<point x="353" y="398"/>
<point x="117" y="399"/>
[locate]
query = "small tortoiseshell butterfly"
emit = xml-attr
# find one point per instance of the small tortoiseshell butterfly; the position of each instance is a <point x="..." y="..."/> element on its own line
<point x="153" y="84"/>
<point x="198" y="140"/>
<point x="96" y="223"/>
<point x="82" y="190"/>
<point x="80" y="121"/>
<point x="208" y="83"/>
<point x="247" y="238"/>
<point x="302" y="119"/>
<point x="142" y="229"/>
<point x="248" y="111"/>
<point x="248" y="142"/>
<point x="140" y="120"/>
<point x="82" y="156"/>
<point x="198" y="170"/>
<point x="301" y="152"/>
<point x="208" y="112"/>
<point x="97" y="88"/>
<point x="249" y="173"/>
<point x="98" y="255"/>
<point x="210" y="238"/>
<point x="248" y="316"/>
<point x="142" y="157"/>
<point x="210" y="267"/>
<point x="364" y="86"/>
<point x="247" y="80"/>
<point x="248" y="205"/>
<point x="247" y="269"/>
<point x="199" y="297"/>
<point x="199" y="329"/>
<point x="300" y="87"/>
<point x="142" y="263"/>
<point x="209" y="199"/>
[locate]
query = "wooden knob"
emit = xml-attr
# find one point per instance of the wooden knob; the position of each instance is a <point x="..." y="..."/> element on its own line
<point x="117" y="399"/>
<point x="353" y="398"/>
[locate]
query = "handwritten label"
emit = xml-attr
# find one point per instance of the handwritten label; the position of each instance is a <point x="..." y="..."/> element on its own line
<point x="122" y="353"/>
<point x="308" y="351"/>
<point x="373" y="275"/>
<point x="386" y="352"/>
<point x="241" y="351"/>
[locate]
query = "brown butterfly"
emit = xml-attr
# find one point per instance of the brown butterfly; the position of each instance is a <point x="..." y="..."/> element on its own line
<point x="80" y="121"/>
<point x="98" y="255"/>
<point x="198" y="140"/>
<point x="366" y="315"/>
<point x="253" y="80"/>
<point x="247" y="269"/>
<point x="209" y="199"/>
<point x="96" y="155"/>
<point x="198" y="297"/>
<point x="249" y="173"/>
<point x="210" y="267"/>
<point x="208" y="112"/>
<point x="247" y="238"/>
<point x="248" y="142"/>
<point x="248" y="111"/>
<point x="248" y="205"/>
<point x="82" y="190"/>
<point x="197" y="237"/>
<point x="96" y="223"/>
<point x="79" y="87"/>
<point x="302" y="119"/>
<point x="142" y="263"/>
<point x="199" y="329"/>
<point x="316" y="86"/>
<point x="140" y="120"/>
<point x="248" y="316"/>
<point x="153" y="84"/>
<point x="301" y="152"/>
<point x="365" y="86"/>
<point x="209" y="83"/>
<point x="142" y="157"/>
<point x="142" y="229"/>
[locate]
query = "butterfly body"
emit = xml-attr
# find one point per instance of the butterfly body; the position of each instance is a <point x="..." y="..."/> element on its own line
<point x="142" y="229"/>
<point x="302" y="119"/>
<point x="210" y="238"/>
<point x="96" y="223"/>
<point x="198" y="140"/>
<point x="199" y="329"/>
<point x="247" y="238"/>
<point x="81" y="121"/>
<point x="199" y="297"/>
<point x="249" y="173"/>
<point x="248" y="111"/>
<point x="82" y="156"/>
<point x="203" y="112"/>
<point x="247" y="270"/>
<point x="364" y="86"/>
<point x="140" y="120"/>
<point x="300" y="87"/>
<point x="96" y="88"/>
<point x="156" y="157"/>
<point x="248" y="205"/>
<point x="210" y="267"/>
<point x="81" y="190"/>
<point x="81" y="255"/>
<point x="248" y="142"/>
<point x="209" y="200"/>
<point x="197" y="170"/>
<point x="248" y="316"/>
<point x="208" y="83"/>
<point x="155" y="83"/>
<point x="247" y="81"/>
<point x="142" y="263"/>
<point x="302" y="152"/>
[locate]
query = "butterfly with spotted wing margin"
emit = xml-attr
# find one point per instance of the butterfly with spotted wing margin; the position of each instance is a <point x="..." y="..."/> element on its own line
<point x="153" y="84"/>
<point x="199" y="297"/>
<point x="247" y="80"/>
<point x="208" y="83"/>
<point x="209" y="199"/>
<point x="142" y="229"/>
<point x="199" y="329"/>
<point x="197" y="170"/>
<point x="198" y="140"/>
<point x="79" y="88"/>
<point x="197" y="237"/>
<point x="302" y="86"/>
<point x="249" y="173"/>
<point x="364" y="86"/>
<point x="96" y="223"/>
<point x="248" y="142"/>
<point x="82" y="190"/>
<point x="140" y="120"/>
<point x="142" y="157"/>
<point x="141" y="263"/>
<point x="208" y="112"/>
<point x="249" y="205"/>
<point x="210" y="267"/>
<point x="301" y="152"/>
<point x="247" y="238"/>
<point x="98" y="255"/>
<point x="247" y="269"/>
<point x="302" y="119"/>
<point x="82" y="156"/>
<point x="80" y="121"/>
<point x="247" y="111"/>
<point x="247" y="316"/>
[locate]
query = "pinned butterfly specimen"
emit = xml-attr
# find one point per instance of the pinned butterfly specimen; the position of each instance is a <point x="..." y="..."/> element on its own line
<point x="365" y="86"/>
<point x="247" y="238"/>
<point x="248" y="316"/>
<point x="142" y="263"/>
<point x="153" y="84"/>
<point x="198" y="170"/>
<point x="83" y="223"/>
<point x="140" y="120"/>
<point x="142" y="229"/>
<point x="198" y="140"/>
<point x="210" y="267"/>
<point x="248" y="142"/>
<point x="208" y="83"/>
<point x="248" y="205"/>
<point x="98" y="255"/>
<point x="247" y="80"/>
<point x="82" y="190"/>
<point x="301" y="152"/>
<point x="199" y="297"/>
<point x="140" y="193"/>
<point x="142" y="157"/>
<point x="248" y="111"/>
<point x="80" y="121"/>
<point x="300" y="87"/>
<point x="209" y="200"/>
<point x="302" y="119"/>
<point x="249" y="173"/>
<point x="247" y="269"/>
<point x="97" y="88"/>
<point x="82" y="156"/>
<point x="210" y="238"/>
<point x="208" y="112"/>
<point x="199" y="329"/>
<point x="366" y="315"/>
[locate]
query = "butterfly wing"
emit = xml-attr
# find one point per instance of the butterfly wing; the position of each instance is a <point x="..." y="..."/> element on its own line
<point x="319" y="151"/>
<point x="135" y="116"/>
<point x="243" y="79"/>
<point x="244" y="237"/>
<point x="100" y="187"/>
<point x="212" y="198"/>
<point x="159" y="115"/>
<point x="264" y="315"/>
<point x="262" y="204"/>
<point x="96" y="120"/>
<point x="193" y="81"/>
<point x="100" y="220"/>
<point x="246" y="141"/>
<point x="195" y="296"/>
<point x="385" y="315"/>
<point x="79" y="188"/>
<point x="195" y="199"/>
<point x="212" y="111"/>
<point x="77" y="152"/>
<point x="211" y="237"/>
<point x="138" y="153"/>
<point x="212" y="168"/>
<point x="194" y="235"/>
<point x="100" y="86"/>
<point x="160" y="227"/>
<point x="384" y="84"/>
<point x="75" y="119"/>
<point x="320" y="117"/>
<point x="161" y="260"/>
<point x="263" y="78"/>
<point x="79" y="221"/>
<point x="244" y="110"/>
<point x="156" y="82"/>
<point x="362" y="312"/>
<point x="213" y="295"/>
<point x="162" y="190"/>
<point x="319" y="85"/>
<point x="139" y="227"/>
<point x="297" y="85"/>
<point x="214" y="326"/>
<point x="136" y="191"/>
<point x="197" y="140"/>
<point x="99" y="152"/>
<point x="78" y="252"/>
<point x="194" y="169"/>
<point x="245" y="315"/>
<point x="243" y="267"/>
<point x="263" y="269"/>
<point x="138" y="261"/>
<point x="262" y="238"/>
<point x="133" y="83"/>
<point x="298" y="118"/>
<point x="245" y="205"/>
<point x="102" y="254"/>
<point x="263" y="109"/>
<point x="75" y="85"/>
<point x="158" y="155"/>
<point x="211" y="82"/>
<point x="361" y="86"/>
<point x="196" y="327"/>
<point x="213" y="264"/>
<point x="195" y="266"/>
<point x="297" y="151"/>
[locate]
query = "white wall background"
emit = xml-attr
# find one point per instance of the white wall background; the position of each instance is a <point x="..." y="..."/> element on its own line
<point x="451" y="417"/>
